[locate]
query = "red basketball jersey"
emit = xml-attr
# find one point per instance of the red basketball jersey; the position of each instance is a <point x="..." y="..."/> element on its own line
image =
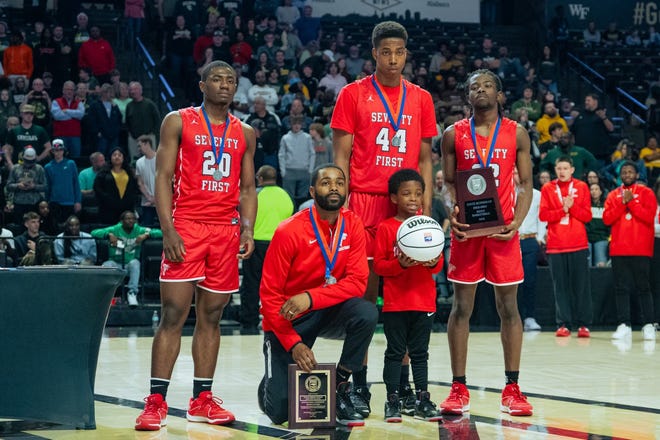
<point x="503" y="160"/>
<point x="197" y="194"/>
<point x="376" y="155"/>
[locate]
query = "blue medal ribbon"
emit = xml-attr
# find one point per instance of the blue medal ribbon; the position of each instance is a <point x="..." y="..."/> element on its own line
<point x="216" y="153"/>
<point x="329" y="252"/>
<point x="492" y="137"/>
<point x="386" y="103"/>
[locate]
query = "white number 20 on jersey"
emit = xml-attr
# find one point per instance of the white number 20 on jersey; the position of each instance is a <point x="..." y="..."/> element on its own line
<point x="398" y="141"/>
<point x="208" y="167"/>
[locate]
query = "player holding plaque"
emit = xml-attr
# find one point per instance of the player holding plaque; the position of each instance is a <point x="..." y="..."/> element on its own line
<point x="487" y="140"/>
<point x="314" y="276"/>
<point x="477" y="200"/>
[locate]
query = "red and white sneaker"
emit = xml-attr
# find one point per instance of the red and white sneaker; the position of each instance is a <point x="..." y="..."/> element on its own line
<point x="583" y="332"/>
<point x="562" y="332"/>
<point x="206" y="408"/>
<point x="154" y="415"/>
<point x="458" y="400"/>
<point x="514" y="402"/>
<point x="458" y="427"/>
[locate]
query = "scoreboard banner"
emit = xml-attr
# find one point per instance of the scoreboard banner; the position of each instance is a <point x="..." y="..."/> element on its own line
<point x="626" y="14"/>
<point x="452" y="11"/>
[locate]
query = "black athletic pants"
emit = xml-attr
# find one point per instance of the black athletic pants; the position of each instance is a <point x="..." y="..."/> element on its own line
<point x="354" y="321"/>
<point x="631" y="274"/>
<point x="411" y="332"/>
<point x="572" y="285"/>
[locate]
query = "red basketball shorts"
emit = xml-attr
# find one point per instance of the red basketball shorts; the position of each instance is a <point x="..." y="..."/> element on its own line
<point x="499" y="262"/>
<point x="210" y="258"/>
<point x="372" y="209"/>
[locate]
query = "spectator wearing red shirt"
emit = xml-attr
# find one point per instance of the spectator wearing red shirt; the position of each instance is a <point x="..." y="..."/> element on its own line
<point x="202" y="42"/>
<point x="241" y="51"/>
<point x="97" y="54"/>
<point x="566" y="206"/>
<point x="67" y="112"/>
<point x="630" y="210"/>
<point x="134" y="13"/>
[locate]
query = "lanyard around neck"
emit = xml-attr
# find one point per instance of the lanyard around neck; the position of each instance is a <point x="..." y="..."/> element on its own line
<point x="217" y="154"/>
<point x="484" y="160"/>
<point x="388" y="106"/>
<point x="328" y="250"/>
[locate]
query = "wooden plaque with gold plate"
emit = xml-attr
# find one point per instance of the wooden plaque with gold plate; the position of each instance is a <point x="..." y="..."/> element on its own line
<point x="478" y="202"/>
<point x="312" y="397"/>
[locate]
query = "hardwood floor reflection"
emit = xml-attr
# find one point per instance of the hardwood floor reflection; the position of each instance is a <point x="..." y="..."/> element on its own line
<point x="580" y="389"/>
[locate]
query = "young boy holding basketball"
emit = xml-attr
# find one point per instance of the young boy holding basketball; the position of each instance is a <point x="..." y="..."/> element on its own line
<point x="409" y="302"/>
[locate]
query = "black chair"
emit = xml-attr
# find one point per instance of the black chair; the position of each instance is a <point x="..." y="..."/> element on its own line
<point x="150" y="256"/>
<point x="102" y="250"/>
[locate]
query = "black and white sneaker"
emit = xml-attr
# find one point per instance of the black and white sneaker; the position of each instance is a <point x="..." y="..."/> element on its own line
<point x="346" y="414"/>
<point x="425" y="409"/>
<point x="361" y="398"/>
<point x="408" y="400"/>
<point x="393" y="409"/>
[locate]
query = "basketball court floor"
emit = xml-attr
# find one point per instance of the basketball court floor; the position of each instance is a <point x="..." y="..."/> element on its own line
<point x="580" y="389"/>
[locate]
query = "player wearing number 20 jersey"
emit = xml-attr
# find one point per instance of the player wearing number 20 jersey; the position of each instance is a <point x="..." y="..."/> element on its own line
<point x="376" y="155"/>
<point x="200" y="194"/>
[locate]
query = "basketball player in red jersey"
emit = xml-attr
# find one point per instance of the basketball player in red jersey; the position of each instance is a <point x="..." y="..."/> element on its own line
<point x="204" y="169"/>
<point x="381" y="124"/>
<point x="487" y="139"/>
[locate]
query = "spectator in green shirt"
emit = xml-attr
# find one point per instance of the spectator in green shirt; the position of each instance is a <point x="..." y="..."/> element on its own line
<point x="583" y="160"/>
<point x="598" y="233"/>
<point x="24" y="135"/>
<point x="528" y="102"/>
<point x="124" y="240"/>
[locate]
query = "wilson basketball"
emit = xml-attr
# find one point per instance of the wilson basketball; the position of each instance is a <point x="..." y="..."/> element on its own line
<point x="421" y="238"/>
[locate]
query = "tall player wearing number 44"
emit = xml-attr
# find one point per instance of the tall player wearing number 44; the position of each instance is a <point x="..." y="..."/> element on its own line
<point x="204" y="170"/>
<point x="382" y="123"/>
